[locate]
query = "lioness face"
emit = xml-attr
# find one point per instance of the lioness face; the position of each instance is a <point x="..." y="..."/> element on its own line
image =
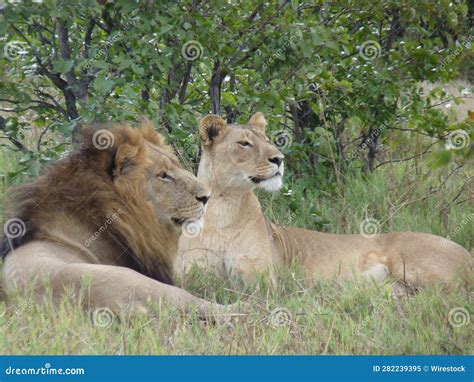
<point x="174" y="194"/>
<point x="240" y="157"/>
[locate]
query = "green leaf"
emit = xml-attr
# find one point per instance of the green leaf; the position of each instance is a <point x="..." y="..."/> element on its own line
<point x="228" y="99"/>
<point x="61" y="66"/>
<point x="103" y="85"/>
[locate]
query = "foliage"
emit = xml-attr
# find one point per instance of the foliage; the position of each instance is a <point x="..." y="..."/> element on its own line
<point x="340" y="77"/>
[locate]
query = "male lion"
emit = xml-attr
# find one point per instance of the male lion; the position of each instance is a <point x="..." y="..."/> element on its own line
<point x="110" y="214"/>
<point x="237" y="240"/>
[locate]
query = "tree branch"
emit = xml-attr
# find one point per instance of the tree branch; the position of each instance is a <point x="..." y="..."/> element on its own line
<point x="20" y="146"/>
<point x="251" y="33"/>
<point x="45" y="130"/>
<point x="88" y="37"/>
<point x="58" y="107"/>
<point x="79" y="88"/>
<point x="184" y="83"/>
<point x="218" y="75"/>
<point x="409" y="158"/>
<point x="54" y="77"/>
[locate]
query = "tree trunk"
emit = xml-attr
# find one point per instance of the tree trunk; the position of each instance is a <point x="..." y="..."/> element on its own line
<point x="371" y="140"/>
<point x="215" y="88"/>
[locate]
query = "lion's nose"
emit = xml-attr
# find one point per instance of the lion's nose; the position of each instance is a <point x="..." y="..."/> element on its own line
<point x="202" y="199"/>
<point x="276" y="160"/>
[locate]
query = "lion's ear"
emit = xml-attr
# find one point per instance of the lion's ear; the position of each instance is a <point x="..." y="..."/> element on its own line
<point x="150" y="134"/>
<point x="258" y="120"/>
<point x="210" y="127"/>
<point x="126" y="157"/>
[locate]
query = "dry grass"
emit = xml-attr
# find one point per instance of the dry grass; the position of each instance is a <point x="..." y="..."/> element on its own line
<point x="297" y="317"/>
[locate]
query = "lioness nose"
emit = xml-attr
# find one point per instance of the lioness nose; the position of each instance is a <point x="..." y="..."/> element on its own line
<point x="202" y="199"/>
<point x="276" y="160"/>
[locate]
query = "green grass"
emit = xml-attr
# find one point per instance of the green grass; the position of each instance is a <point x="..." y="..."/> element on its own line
<point x="296" y="317"/>
<point x="401" y="197"/>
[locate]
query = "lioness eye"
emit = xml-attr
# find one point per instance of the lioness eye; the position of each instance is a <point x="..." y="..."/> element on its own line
<point x="245" y="144"/>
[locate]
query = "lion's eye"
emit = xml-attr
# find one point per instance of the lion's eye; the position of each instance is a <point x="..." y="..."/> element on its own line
<point x="245" y="144"/>
<point x="164" y="175"/>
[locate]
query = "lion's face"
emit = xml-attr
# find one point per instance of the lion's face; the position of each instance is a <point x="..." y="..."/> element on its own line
<point x="174" y="194"/>
<point x="239" y="157"/>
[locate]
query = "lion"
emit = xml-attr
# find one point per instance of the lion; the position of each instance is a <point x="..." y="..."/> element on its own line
<point x="238" y="241"/>
<point x="108" y="215"/>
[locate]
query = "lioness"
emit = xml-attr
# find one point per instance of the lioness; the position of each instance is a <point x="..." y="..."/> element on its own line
<point x="237" y="240"/>
<point x="110" y="214"/>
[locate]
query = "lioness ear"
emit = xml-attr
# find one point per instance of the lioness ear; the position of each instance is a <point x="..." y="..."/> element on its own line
<point x="125" y="158"/>
<point x="259" y="121"/>
<point x="210" y="127"/>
